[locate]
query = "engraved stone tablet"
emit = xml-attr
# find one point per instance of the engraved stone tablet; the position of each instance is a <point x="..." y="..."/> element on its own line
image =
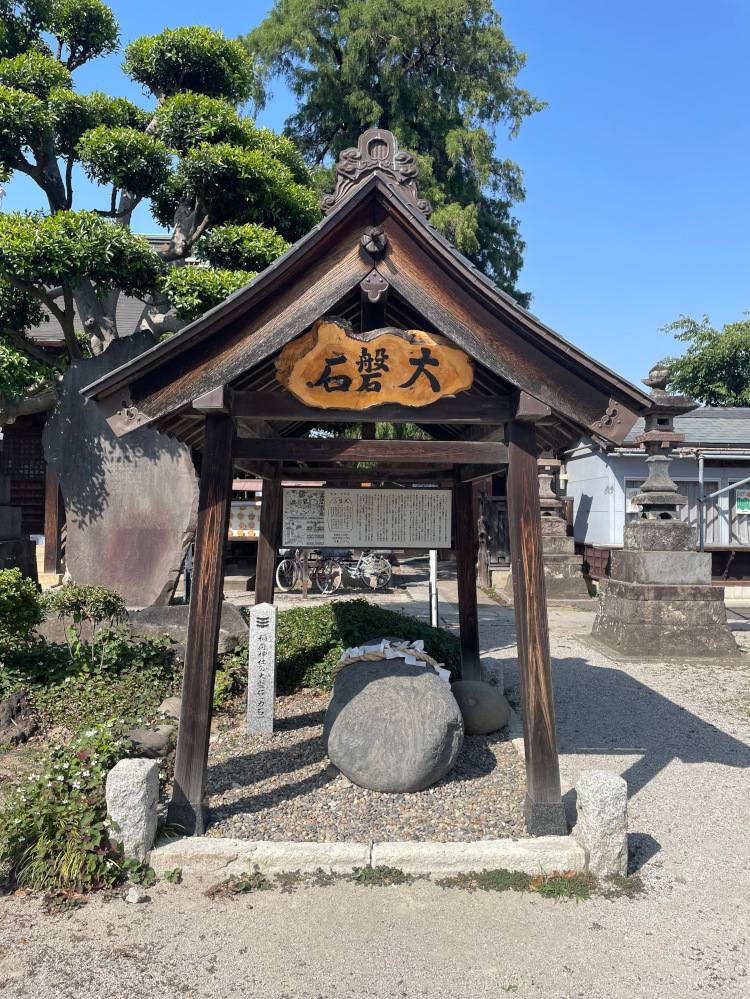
<point x="261" y="669"/>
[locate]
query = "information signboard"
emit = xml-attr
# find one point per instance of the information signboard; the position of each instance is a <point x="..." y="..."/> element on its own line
<point x="367" y="518"/>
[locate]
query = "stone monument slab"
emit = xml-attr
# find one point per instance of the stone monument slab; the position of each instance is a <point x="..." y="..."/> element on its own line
<point x="261" y="669"/>
<point x="131" y="503"/>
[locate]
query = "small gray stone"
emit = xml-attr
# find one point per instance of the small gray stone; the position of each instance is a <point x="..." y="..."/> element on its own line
<point x="392" y="727"/>
<point x="171" y="707"/>
<point x="484" y="708"/>
<point x="602" y="826"/>
<point x="153" y="622"/>
<point x="152" y="742"/>
<point x="132" y="792"/>
<point x="135" y="896"/>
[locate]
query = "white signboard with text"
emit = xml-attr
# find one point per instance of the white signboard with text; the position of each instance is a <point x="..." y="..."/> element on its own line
<point x="367" y="518"/>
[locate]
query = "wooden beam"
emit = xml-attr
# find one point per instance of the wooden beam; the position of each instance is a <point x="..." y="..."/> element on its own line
<point x="186" y="809"/>
<point x="463" y="408"/>
<point x="269" y="539"/>
<point x="468" y="619"/>
<point x="260" y="469"/>
<point x="406" y="475"/>
<point x="51" y="522"/>
<point x="545" y="814"/>
<point x="327" y="450"/>
<point x="527" y="409"/>
<point x="470" y="473"/>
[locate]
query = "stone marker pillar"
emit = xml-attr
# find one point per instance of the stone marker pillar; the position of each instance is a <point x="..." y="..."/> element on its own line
<point x="261" y="669"/>
<point x="15" y="552"/>
<point x="563" y="569"/>
<point x="659" y="602"/>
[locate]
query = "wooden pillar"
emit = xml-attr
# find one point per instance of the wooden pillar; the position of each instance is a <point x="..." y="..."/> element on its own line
<point x="269" y="539"/>
<point x="545" y="814"/>
<point x="186" y="808"/>
<point x="468" y="620"/>
<point x="51" y="522"/>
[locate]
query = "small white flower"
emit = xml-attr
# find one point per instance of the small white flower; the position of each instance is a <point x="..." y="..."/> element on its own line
<point x="16" y="822"/>
<point x="60" y="777"/>
<point x="21" y="839"/>
<point x="76" y="783"/>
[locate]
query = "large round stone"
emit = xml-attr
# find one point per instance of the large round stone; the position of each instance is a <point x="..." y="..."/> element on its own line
<point x="392" y="727"/>
<point x="484" y="708"/>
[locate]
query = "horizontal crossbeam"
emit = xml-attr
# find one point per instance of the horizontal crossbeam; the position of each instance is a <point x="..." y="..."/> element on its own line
<point x="340" y="449"/>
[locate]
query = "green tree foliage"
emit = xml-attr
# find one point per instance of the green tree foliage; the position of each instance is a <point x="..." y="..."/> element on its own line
<point x="715" y="368"/>
<point x="231" y="194"/>
<point x="441" y="76"/>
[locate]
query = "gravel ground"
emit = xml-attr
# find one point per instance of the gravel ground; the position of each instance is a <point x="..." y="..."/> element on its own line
<point x="277" y="788"/>
<point x="681" y="737"/>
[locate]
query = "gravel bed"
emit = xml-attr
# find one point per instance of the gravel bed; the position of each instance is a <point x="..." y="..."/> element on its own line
<point x="280" y="787"/>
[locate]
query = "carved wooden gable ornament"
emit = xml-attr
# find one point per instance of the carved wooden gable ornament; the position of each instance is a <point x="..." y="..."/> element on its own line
<point x="332" y="368"/>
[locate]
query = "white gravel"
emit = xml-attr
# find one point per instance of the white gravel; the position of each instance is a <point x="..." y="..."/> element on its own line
<point x="681" y="737"/>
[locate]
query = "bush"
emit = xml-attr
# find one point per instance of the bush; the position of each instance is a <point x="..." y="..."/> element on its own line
<point x="102" y="609"/>
<point x="54" y="831"/>
<point x="20" y="608"/>
<point x="125" y="685"/>
<point x="311" y="640"/>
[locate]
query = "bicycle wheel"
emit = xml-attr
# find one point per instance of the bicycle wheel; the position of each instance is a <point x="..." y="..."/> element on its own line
<point x="286" y="575"/>
<point x="376" y="572"/>
<point x="328" y="575"/>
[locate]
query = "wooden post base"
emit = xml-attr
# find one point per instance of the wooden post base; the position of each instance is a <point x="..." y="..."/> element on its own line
<point x="188" y="818"/>
<point x="545" y="818"/>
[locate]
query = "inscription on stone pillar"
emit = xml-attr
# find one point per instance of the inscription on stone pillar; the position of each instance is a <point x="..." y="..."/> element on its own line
<point x="261" y="670"/>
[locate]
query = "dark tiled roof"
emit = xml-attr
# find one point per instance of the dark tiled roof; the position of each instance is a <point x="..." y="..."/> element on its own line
<point x="709" y="427"/>
<point x="128" y="313"/>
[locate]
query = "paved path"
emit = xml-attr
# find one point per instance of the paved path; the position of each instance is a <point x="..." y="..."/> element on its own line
<point x="681" y="737"/>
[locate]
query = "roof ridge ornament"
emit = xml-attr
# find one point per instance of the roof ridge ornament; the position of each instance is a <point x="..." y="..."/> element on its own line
<point x="376" y="151"/>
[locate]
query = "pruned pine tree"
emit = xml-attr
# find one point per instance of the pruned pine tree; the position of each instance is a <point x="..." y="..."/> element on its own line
<point x="232" y="195"/>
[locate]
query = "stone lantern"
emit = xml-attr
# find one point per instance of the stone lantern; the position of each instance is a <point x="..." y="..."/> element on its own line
<point x="659" y="602"/>
<point x="563" y="569"/>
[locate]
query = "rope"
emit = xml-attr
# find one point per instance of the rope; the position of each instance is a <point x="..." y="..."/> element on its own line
<point x="352" y="656"/>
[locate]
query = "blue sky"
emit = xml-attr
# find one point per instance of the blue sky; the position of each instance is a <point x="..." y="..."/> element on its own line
<point x="637" y="203"/>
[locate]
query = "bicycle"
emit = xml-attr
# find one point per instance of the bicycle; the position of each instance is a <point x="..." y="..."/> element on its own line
<point x="289" y="572"/>
<point x="374" y="570"/>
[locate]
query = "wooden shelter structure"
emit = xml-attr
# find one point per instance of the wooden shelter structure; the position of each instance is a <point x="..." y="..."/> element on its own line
<point x="376" y="264"/>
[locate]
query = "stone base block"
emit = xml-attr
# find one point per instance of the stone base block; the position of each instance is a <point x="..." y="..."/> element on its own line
<point x="602" y="826"/>
<point x="663" y="622"/>
<point x="660" y="535"/>
<point x="553" y="544"/>
<point x="669" y="568"/>
<point x="553" y="525"/>
<point x="563" y="577"/>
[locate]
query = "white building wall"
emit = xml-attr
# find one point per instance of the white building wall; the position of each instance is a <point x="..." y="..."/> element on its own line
<point x="596" y="481"/>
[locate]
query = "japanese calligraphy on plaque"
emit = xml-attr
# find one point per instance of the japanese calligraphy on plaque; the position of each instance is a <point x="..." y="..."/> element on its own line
<point x="331" y="368"/>
<point x="380" y="518"/>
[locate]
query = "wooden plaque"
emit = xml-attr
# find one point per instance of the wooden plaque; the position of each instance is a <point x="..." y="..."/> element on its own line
<point x="331" y="368"/>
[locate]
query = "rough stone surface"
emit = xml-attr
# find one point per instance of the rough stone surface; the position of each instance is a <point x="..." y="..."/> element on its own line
<point x="659" y="535"/>
<point x="227" y="857"/>
<point x="261" y="669"/>
<point x="657" y="621"/>
<point x="392" y="727"/>
<point x="132" y="791"/>
<point x="153" y="622"/>
<point x="170" y="707"/>
<point x="483" y="708"/>
<point x="602" y="826"/>
<point x="531" y="856"/>
<point x="670" y="568"/>
<point x="17" y="721"/>
<point x="131" y="503"/>
<point x="152" y="742"/>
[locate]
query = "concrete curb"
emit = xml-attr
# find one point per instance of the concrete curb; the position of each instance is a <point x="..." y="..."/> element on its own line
<point x="229" y="857"/>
